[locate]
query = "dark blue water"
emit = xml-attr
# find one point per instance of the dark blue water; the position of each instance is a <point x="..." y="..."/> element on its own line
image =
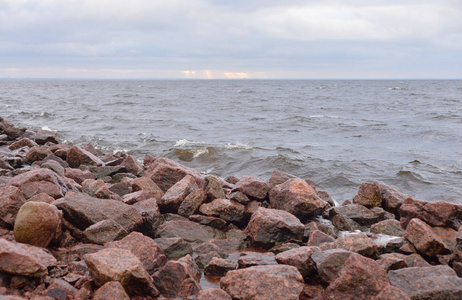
<point x="339" y="133"/>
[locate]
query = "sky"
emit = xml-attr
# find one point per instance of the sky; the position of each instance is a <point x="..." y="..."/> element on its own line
<point x="213" y="39"/>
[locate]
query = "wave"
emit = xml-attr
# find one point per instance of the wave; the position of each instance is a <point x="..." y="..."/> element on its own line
<point x="236" y="145"/>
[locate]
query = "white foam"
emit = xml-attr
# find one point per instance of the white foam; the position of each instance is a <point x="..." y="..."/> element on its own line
<point x="237" y="145"/>
<point x="48" y="128"/>
<point x="199" y="152"/>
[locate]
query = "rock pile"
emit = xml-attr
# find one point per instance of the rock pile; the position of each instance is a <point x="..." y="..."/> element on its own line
<point x="76" y="223"/>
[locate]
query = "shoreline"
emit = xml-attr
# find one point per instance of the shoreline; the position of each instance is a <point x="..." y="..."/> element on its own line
<point x="86" y="224"/>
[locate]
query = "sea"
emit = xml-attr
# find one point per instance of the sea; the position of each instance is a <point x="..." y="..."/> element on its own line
<point x="339" y="133"/>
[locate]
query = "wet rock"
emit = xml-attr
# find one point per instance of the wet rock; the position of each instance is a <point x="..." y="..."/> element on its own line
<point x="174" y="248"/>
<point x="37" y="153"/>
<point x="251" y="259"/>
<point x="102" y="172"/>
<point x="172" y="199"/>
<point x="11" y="200"/>
<point x="359" y="278"/>
<point x="271" y="226"/>
<point x="83" y="211"/>
<point x="54" y="166"/>
<point x="298" y="198"/>
<point x="151" y="190"/>
<point x="24" y="142"/>
<point x="209" y="221"/>
<point x="213" y="189"/>
<point x="264" y="282"/>
<point x="44" y="136"/>
<point x="318" y="237"/>
<point x="343" y="223"/>
<point x="178" y="278"/>
<point x="369" y="195"/>
<point x="435" y="282"/>
<point x="215" y="294"/>
<point x="104" y="231"/>
<point x="192" y="202"/>
<point x="189" y="231"/>
<point x="113" y="264"/>
<point x="252" y="186"/>
<point x="22" y="259"/>
<point x="219" y="267"/>
<point x="284" y="247"/>
<point x="391" y="199"/>
<point x="111" y="290"/>
<point x="150" y="214"/>
<point x="299" y="258"/>
<point x="77" y="156"/>
<point x="438" y="213"/>
<point x="122" y="188"/>
<point x="225" y="209"/>
<point x="165" y="173"/>
<point x="37" y="223"/>
<point x="279" y="177"/>
<point x="358" y="213"/>
<point x="329" y="262"/>
<point x="389" y="227"/>
<point x="422" y="237"/>
<point x="359" y="243"/>
<point x="132" y="165"/>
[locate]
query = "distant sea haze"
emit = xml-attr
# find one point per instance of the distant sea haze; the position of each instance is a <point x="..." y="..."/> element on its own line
<point x="339" y="133"/>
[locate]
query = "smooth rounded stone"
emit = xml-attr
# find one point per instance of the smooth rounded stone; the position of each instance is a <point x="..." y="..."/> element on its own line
<point x="279" y="177"/>
<point x="22" y="259"/>
<point x="225" y="209"/>
<point x="329" y="262"/>
<point x="111" y="290"/>
<point x="391" y="199"/>
<point x="151" y="216"/>
<point x="283" y="247"/>
<point x="299" y="258"/>
<point x="359" y="278"/>
<point x="358" y="213"/>
<point x="113" y="264"/>
<point x="252" y="186"/>
<point x="189" y="231"/>
<point x="213" y="188"/>
<point x="434" y="282"/>
<point x="77" y="156"/>
<point x="42" y="197"/>
<point x="166" y="172"/>
<point x="219" y="266"/>
<point x="145" y="248"/>
<point x="439" y="213"/>
<point x="215" y="294"/>
<point x="369" y="195"/>
<point x="359" y="243"/>
<point x="209" y="221"/>
<point x="37" y="223"/>
<point x="276" y="282"/>
<point x="389" y="227"/>
<point x="174" y="196"/>
<point x="192" y="202"/>
<point x="11" y="200"/>
<point x="270" y="226"/>
<point x="391" y="292"/>
<point x="318" y="237"/>
<point x="24" y="142"/>
<point x="174" y="247"/>
<point x="178" y="278"/>
<point x="132" y="165"/>
<point x="422" y="237"/>
<point x="104" y="231"/>
<point x="83" y="211"/>
<point x="37" y="153"/>
<point x="251" y="259"/>
<point x="392" y="261"/>
<point x="298" y="198"/>
<point x="239" y="197"/>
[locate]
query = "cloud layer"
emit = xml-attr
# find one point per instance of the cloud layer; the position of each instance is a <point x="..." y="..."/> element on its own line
<point x="231" y="39"/>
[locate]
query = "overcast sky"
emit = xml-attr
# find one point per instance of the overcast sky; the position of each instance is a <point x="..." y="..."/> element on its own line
<point x="231" y="39"/>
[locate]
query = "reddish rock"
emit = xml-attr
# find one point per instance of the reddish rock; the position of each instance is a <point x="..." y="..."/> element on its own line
<point x="166" y="172"/>
<point x="359" y="278"/>
<point x="209" y="221"/>
<point x="113" y="264"/>
<point x="329" y="262"/>
<point x="78" y="175"/>
<point x="359" y="243"/>
<point x="278" y="177"/>
<point x="270" y="226"/>
<point x="213" y="189"/>
<point x="37" y="223"/>
<point x="148" y="252"/>
<point x="219" y="267"/>
<point x="151" y="190"/>
<point x="77" y="156"/>
<point x="132" y="165"/>
<point x="150" y="214"/>
<point x="298" y="198"/>
<point x="318" y="237"/>
<point x="189" y="231"/>
<point x="11" y="200"/>
<point x="299" y="258"/>
<point x="111" y="290"/>
<point x="358" y="213"/>
<point x="343" y="223"/>
<point x="53" y="165"/>
<point x="369" y="195"/>
<point x="31" y="189"/>
<point x="215" y="294"/>
<point x="252" y="186"/>
<point x="172" y="199"/>
<point x="122" y="188"/>
<point x="175" y="247"/>
<point x="239" y="197"/>
<point x="391" y="199"/>
<point x="389" y="227"/>
<point x="435" y="282"/>
<point x="42" y="197"/>
<point x="392" y="261"/>
<point x="390" y="293"/>
<point x="44" y="136"/>
<point x="178" y="278"/>
<point x="422" y="237"/>
<point x="251" y="259"/>
<point x="24" y="142"/>
<point x="264" y="282"/>
<point x="134" y="197"/>
<point x="104" y="231"/>
<point x="225" y="209"/>
<point x="192" y="202"/>
<point x="438" y="213"/>
<point x="37" y="153"/>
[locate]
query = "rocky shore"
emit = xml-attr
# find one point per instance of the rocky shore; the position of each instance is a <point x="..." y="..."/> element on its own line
<point x="77" y="223"/>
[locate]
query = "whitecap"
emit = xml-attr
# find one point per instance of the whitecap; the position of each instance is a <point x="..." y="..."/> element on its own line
<point x="48" y="128"/>
<point x="237" y="145"/>
<point x="199" y="152"/>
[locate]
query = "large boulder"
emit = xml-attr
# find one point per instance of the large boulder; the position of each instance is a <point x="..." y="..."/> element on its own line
<point x="114" y="264"/>
<point x="298" y="198"/>
<point x="225" y="209"/>
<point x="392" y="199"/>
<point x="424" y="239"/>
<point x="270" y="226"/>
<point x="150" y="189"/>
<point x="172" y="199"/>
<point x="192" y="202"/>
<point x="275" y="282"/>
<point x="37" y="223"/>
<point x="435" y="282"/>
<point x="369" y="195"/>
<point x="11" y="200"/>
<point x="328" y="263"/>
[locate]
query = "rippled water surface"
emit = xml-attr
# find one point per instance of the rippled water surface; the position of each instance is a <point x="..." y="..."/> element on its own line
<point x="407" y="134"/>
